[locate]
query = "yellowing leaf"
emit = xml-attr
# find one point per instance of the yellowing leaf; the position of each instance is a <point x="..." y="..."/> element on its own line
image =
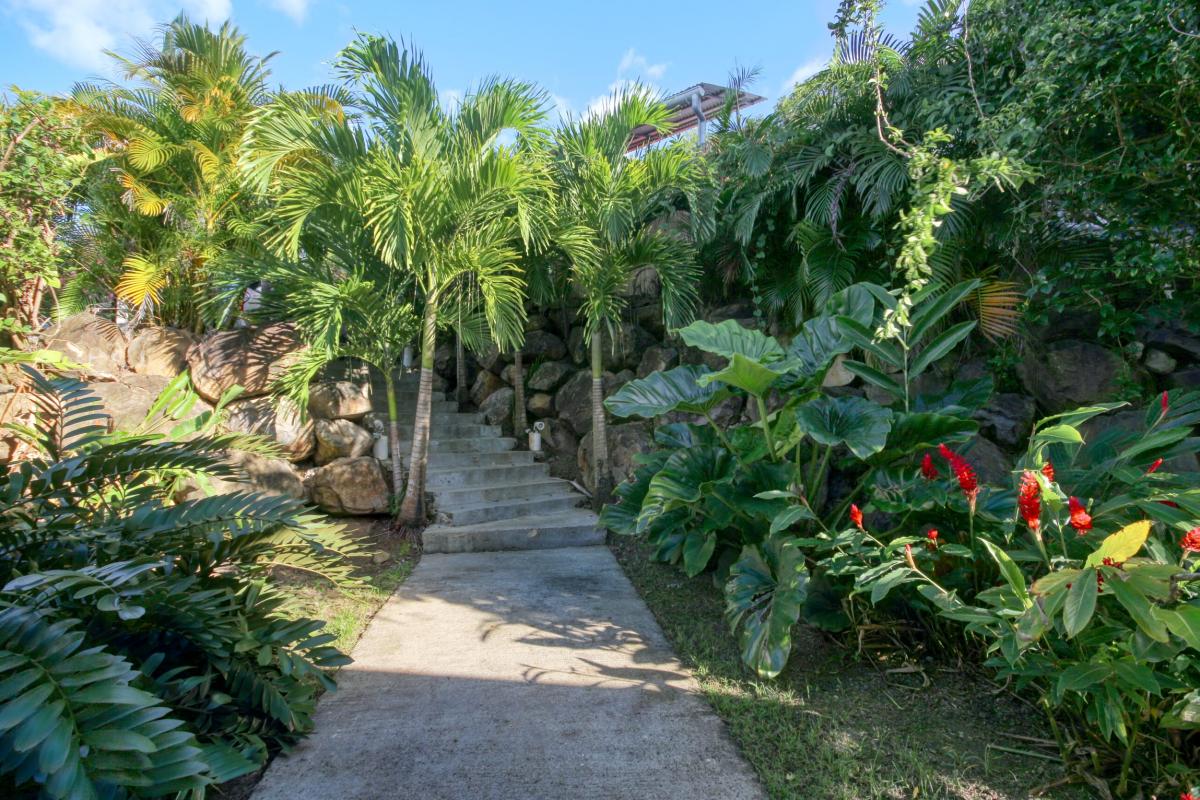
<point x="1122" y="545"/>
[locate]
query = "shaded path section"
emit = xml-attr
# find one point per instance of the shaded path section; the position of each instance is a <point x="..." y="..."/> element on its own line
<point x="525" y="675"/>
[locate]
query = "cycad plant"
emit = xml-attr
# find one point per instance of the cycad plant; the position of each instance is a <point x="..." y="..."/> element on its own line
<point x="447" y="203"/>
<point x="142" y="650"/>
<point x="167" y="197"/>
<point x="610" y="220"/>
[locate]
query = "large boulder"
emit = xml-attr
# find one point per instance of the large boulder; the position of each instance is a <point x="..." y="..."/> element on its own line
<point x="1071" y="373"/>
<point x="624" y="442"/>
<point x="631" y="341"/>
<point x="657" y="359"/>
<point x="273" y="476"/>
<point x="574" y="400"/>
<point x="340" y="438"/>
<point x="548" y="375"/>
<point x="128" y="400"/>
<point x="540" y="404"/>
<point x="274" y="418"/>
<point x="561" y="446"/>
<point x="485" y="384"/>
<point x="352" y="486"/>
<point x="491" y="359"/>
<point x="990" y="462"/>
<point x="1007" y="419"/>
<point x="253" y="358"/>
<point x="159" y="351"/>
<point x="497" y="408"/>
<point x="339" y="400"/>
<point x="1175" y="340"/>
<point x="91" y="341"/>
<point x="541" y="345"/>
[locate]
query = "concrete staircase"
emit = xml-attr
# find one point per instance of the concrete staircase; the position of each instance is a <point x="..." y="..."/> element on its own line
<point x="487" y="494"/>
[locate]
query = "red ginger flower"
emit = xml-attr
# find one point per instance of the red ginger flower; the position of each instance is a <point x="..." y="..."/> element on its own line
<point x="928" y="471"/>
<point x="1081" y="520"/>
<point x="908" y="556"/>
<point x="932" y="539"/>
<point x="1029" y="501"/>
<point x="967" y="481"/>
<point x="1191" y="541"/>
<point x="1048" y="470"/>
<point x="1165" y="402"/>
<point x="856" y="516"/>
<point x="1188" y="796"/>
<point x="1154" y="467"/>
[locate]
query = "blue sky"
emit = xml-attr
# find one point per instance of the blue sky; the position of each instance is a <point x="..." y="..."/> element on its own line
<point x="576" y="50"/>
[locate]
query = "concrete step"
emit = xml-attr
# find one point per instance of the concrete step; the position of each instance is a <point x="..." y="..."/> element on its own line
<point x="441" y="460"/>
<point x="507" y="509"/>
<point x="461" y="477"/>
<point x="445" y="429"/>
<point x="575" y="528"/>
<point x="494" y="444"/>
<point x="448" y="500"/>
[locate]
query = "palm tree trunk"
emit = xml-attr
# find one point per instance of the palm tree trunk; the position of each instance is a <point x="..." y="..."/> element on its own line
<point x="518" y="396"/>
<point x="393" y="436"/>
<point x="603" y="486"/>
<point x="460" y="372"/>
<point x="412" y="509"/>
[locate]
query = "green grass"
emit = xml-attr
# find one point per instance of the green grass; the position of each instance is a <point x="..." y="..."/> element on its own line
<point x="838" y="726"/>
<point x="347" y="611"/>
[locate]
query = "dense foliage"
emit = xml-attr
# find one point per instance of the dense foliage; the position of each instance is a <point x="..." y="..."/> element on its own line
<point x="142" y="651"/>
<point x="1090" y="107"/>
<point x="42" y="156"/>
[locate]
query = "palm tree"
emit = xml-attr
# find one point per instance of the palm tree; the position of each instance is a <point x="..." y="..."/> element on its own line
<point x="345" y="303"/>
<point x="609" y="212"/>
<point x="172" y="140"/>
<point x="447" y="204"/>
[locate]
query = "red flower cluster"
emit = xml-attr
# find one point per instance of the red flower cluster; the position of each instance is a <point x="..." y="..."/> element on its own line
<point x="1188" y="795"/>
<point x="856" y="516"/>
<point x="1029" y="501"/>
<point x="1154" y="467"/>
<point x="1191" y="541"/>
<point x="1081" y="520"/>
<point x="967" y="481"/>
<point x="1048" y="470"/>
<point x="928" y="471"/>
<point x="1165" y="402"/>
<point x="932" y="539"/>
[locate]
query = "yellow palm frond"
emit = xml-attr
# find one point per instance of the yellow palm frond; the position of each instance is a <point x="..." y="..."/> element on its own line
<point x="140" y="197"/>
<point x="207" y="161"/>
<point x="147" y="153"/>
<point x="997" y="306"/>
<point x="142" y="280"/>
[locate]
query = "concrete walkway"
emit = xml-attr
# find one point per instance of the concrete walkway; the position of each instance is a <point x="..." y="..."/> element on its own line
<point x="525" y="675"/>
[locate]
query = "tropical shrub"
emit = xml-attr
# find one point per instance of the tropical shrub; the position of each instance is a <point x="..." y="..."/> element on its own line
<point x="142" y="650"/>
<point x="42" y="156"/>
<point x="1076" y="581"/>
<point x="725" y="497"/>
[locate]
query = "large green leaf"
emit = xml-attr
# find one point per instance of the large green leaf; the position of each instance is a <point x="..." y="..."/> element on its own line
<point x="763" y="598"/>
<point x="743" y="373"/>
<point x="815" y="346"/>
<point x="686" y="477"/>
<point x="678" y="389"/>
<point x="914" y="432"/>
<point x="728" y="339"/>
<point x="940" y="347"/>
<point x="1081" y="603"/>
<point x="858" y="423"/>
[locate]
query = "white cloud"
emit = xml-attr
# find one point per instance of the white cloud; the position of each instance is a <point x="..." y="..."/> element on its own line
<point x="296" y="9"/>
<point x="561" y="106"/>
<point x="77" y="32"/>
<point x="450" y="99"/>
<point x="634" y="70"/>
<point x="212" y="11"/>
<point x="802" y="73"/>
<point x="635" y="65"/>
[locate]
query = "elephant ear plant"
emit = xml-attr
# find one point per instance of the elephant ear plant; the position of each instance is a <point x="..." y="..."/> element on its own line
<point x="751" y="500"/>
